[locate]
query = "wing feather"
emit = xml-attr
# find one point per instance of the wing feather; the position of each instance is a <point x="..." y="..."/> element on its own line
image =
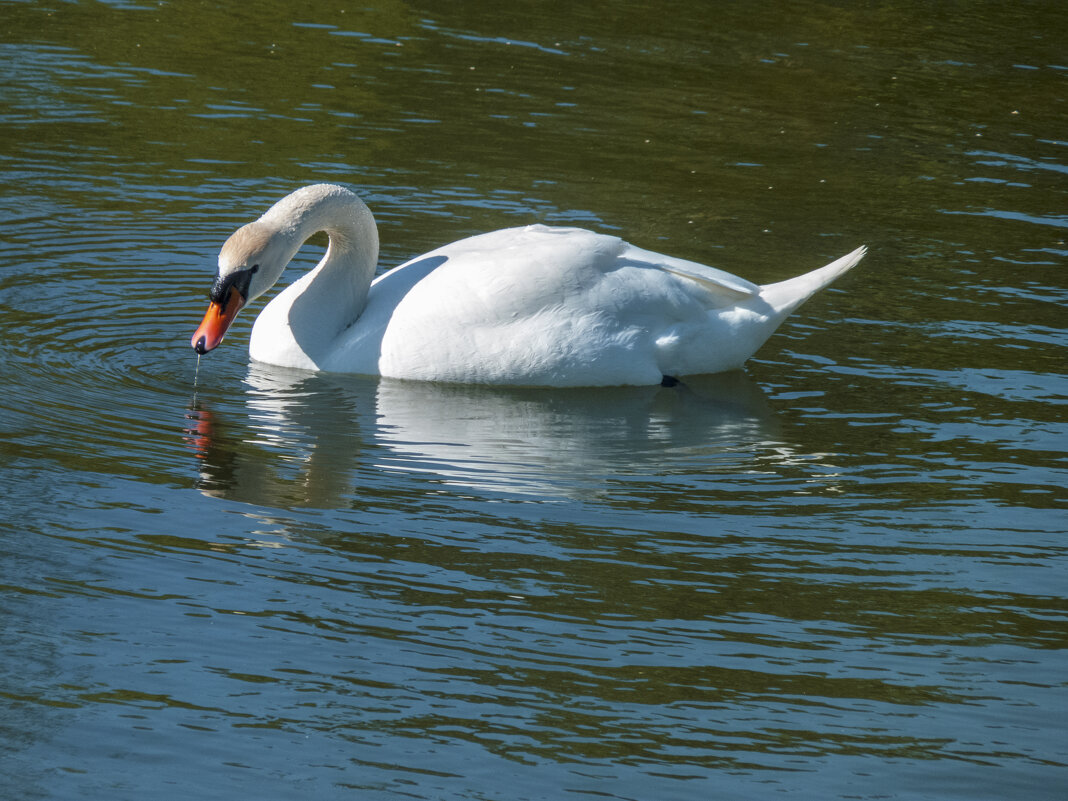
<point x="710" y="278"/>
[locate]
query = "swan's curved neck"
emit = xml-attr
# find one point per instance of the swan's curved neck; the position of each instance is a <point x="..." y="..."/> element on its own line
<point x="317" y="307"/>
<point x="340" y="213"/>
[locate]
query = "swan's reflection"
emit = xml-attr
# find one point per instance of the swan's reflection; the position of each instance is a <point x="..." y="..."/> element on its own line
<point x="563" y="442"/>
<point x="305" y="437"/>
<point x="291" y="441"/>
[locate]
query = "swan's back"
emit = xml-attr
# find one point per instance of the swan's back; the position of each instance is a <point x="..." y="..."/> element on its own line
<point x="557" y="307"/>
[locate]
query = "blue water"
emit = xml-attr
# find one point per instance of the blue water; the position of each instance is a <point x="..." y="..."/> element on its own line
<point x="838" y="574"/>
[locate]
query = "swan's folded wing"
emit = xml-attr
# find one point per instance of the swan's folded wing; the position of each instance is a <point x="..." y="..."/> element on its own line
<point x="708" y="277"/>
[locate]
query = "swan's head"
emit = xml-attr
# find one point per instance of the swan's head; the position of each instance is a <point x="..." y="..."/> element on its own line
<point x="249" y="263"/>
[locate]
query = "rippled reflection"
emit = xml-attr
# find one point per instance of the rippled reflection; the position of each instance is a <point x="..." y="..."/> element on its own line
<point x="302" y="438"/>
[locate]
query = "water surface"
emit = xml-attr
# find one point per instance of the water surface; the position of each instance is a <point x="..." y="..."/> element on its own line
<point x="839" y="574"/>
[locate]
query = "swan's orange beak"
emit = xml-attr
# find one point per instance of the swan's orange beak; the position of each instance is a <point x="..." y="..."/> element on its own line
<point x="213" y="327"/>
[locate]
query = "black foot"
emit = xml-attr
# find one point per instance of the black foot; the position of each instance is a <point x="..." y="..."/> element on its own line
<point x="669" y="381"/>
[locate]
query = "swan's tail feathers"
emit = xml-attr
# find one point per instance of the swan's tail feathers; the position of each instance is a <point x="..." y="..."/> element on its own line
<point x="787" y="295"/>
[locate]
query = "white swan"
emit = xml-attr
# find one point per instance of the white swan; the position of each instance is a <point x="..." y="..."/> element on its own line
<point x="522" y="306"/>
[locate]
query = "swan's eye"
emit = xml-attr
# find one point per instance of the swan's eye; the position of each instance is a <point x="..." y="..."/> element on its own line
<point x="239" y="280"/>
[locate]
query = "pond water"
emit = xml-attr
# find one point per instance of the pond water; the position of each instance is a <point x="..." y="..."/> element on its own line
<point x="838" y="574"/>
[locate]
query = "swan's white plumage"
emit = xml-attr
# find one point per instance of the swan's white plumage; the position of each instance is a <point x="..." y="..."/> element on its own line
<point x="532" y="305"/>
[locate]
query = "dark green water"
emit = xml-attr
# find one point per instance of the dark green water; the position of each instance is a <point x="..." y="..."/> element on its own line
<point x="840" y="574"/>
